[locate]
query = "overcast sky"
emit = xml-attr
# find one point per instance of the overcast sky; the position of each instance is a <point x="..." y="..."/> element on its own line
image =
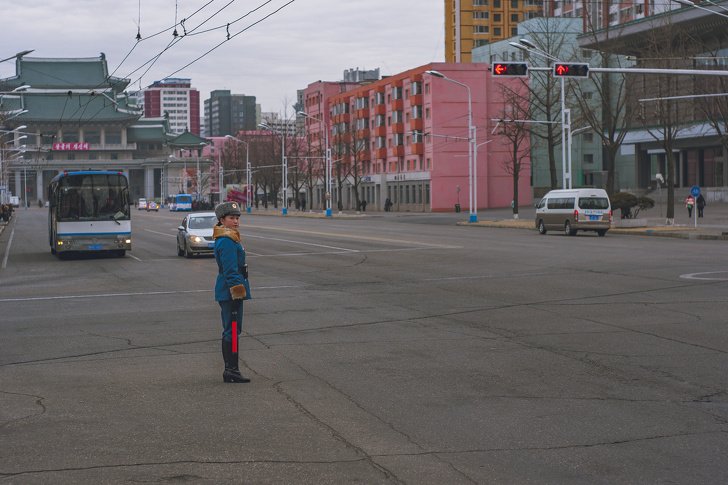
<point x="305" y="41"/>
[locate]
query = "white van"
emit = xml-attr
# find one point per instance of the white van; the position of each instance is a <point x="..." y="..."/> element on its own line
<point x="574" y="210"/>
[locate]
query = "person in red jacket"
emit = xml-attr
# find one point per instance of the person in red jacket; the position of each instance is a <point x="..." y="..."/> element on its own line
<point x="231" y="285"/>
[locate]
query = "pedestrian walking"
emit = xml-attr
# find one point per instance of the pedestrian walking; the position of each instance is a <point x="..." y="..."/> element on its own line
<point x="363" y="205"/>
<point x="701" y="205"/>
<point x="689" y="203"/>
<point x="231" y="285"/>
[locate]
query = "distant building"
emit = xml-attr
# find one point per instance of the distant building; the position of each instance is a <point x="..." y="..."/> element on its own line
<point x="599" y="14"/>
<point x="277" y="123"/>
<point x="357" y="75"/>
<point x="405" y="139"/>
<point x="474" y="23"/>
<point x="227" y="114"/>
<point x="176" y="100"/>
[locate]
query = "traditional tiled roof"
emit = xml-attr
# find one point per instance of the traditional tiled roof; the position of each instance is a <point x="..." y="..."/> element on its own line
<point x="150" y="130"/>
<point x="63" y="73"/>
<point x="188" y="140"/>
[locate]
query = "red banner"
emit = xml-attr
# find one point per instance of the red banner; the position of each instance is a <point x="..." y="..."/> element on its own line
<point x="71" y="146"/>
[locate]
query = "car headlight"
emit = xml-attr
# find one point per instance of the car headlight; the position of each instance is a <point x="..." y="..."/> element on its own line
<point x="196" y="239"/>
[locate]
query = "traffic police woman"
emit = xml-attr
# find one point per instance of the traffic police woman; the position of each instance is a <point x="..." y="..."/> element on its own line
<point x="231" y="286"/>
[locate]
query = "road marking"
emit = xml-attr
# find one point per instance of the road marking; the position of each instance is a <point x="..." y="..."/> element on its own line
<point x="699" y="276"/>
<point x="148" y="293"/>
<point x="349" y="236"/>
<point x="303" y="243"/>
<point x="134" y="257"/>
<point x="7" y="250"/>
<point x="348" y="251"/>
<point x="161" y="233"/>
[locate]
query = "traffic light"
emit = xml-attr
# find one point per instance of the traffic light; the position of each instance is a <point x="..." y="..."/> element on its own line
<point x="571" y="70"/>
<point x="509" y="69"/>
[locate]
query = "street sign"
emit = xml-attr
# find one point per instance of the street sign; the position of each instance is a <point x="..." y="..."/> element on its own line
<point x="519" y="69"/>
<point x="571" y="70"/>
<point x="695" y="191"/>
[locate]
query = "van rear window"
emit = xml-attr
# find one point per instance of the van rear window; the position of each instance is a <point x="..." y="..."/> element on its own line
<point x="560" y="203"/>
<point x="593" y="203"/>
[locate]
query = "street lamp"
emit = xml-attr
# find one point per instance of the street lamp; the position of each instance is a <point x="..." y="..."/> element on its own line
<point x="248" y="174"/>
<point x="472" y="151"/>
<point x="327" y="158"/>
<point x="528" y="46"/>
<point x="19" y="54"/>
<point x="284" y="165"/>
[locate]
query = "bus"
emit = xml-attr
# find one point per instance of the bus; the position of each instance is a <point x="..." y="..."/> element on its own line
<point x="182" y="202"/>
<point x="88" y="211"/>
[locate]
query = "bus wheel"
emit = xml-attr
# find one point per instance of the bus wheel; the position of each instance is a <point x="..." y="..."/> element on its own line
<point x="120" y="253"/>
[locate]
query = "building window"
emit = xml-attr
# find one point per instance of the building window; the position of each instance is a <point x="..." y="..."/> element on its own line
<point x="514" y="17"/>
<point x="481" y="29"/>
<point x="427" y="113"/>
<point x="514" y="3"/>
<point x="481" y="15"/>
<point x="588" y="158"/>
<point x="588" y="137"/>
<point x="497" y="31"/>
<point x="496" y="3"/>
<point x="496" y="17"/>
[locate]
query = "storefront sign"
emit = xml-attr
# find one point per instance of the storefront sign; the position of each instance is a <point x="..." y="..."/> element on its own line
<point x="71" y="146"/>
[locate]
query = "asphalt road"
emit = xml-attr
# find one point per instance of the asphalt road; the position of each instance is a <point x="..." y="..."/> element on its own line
<point x="380" y="351"/>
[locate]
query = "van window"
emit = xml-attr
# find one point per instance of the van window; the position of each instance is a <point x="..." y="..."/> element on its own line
<point x="593" y="203"/>
<point x="561" y="203"/>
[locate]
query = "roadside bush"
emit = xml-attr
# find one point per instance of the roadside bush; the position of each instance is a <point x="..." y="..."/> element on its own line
<point x="630" y="205"/>
<point x="624" y="201"/>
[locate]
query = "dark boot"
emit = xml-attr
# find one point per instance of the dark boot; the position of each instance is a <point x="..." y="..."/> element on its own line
<point x="232" y="372"/>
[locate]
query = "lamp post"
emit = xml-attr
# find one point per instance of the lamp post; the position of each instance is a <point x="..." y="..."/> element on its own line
<point x="472" y="151"/>
<point x="284" y="165"/>
<point x="19" y="54"/>
<point x="248" y="174"/>
<point x="528" y="46"/>
<point x="327" y="159"/>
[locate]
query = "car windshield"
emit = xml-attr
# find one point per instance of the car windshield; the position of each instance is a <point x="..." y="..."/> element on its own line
<point x="204" y="222"/>
<point x="593" y="203"/>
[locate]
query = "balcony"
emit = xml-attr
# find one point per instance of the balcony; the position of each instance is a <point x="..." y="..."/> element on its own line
<point x="398" y="127"/>
<point x="362" y="113"/>
<point x="380" y="153"/>
<point x="342" y="118"/>
<point x="397" y="104"/>
<point x="415" y="100"/>
<point x="416" y="149"/>
<point x="380" y="109"/>
<point x="397" y="151"/>
<point x="416" y="124"/>
<point x="363" y="133"/>
<point x="379" y="131"/>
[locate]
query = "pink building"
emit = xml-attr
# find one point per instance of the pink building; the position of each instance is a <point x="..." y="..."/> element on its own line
<point x="404" y="139"/>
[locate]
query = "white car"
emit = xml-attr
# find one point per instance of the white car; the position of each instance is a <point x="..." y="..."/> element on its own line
<point x="142" y="204"/>
<point x="194" y="236"/>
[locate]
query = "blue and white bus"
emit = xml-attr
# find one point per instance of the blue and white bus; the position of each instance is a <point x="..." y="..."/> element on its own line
<point x="88" y="211"/>
<point x="182" y="202"/>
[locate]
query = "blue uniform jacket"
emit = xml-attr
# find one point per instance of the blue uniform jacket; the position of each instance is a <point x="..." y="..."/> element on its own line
<point x="230" y="257"/>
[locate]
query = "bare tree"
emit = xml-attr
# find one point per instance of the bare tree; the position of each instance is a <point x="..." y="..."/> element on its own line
<point x="515" y="134"/>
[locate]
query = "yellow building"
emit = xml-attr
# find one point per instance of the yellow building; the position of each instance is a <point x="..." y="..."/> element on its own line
<point x="473" y="23"/>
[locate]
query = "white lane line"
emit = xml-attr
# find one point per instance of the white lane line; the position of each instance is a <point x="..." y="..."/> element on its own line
<point x="699" y="276"/>
<point x="161" y="233"/>
<point x="7" y="250"/>
<point x="134" y="257"/>
<point x="148" y="293"/>
<point x="346" y="236"/>
<point x="350" y="251"/>
<point x="303" y="243"/>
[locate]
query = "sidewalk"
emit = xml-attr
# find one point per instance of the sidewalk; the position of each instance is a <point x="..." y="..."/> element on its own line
<point x="651" y="222"/>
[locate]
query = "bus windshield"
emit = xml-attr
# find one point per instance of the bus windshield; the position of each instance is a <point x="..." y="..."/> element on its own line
<point x="93" y="196"/>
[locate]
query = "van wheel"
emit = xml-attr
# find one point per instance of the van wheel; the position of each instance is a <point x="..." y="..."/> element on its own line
<point x="568" y="230"/>
<point x="601" y="232"/>
<point x="541" y="227"/>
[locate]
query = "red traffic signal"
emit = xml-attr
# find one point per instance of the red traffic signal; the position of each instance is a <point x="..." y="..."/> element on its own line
<point x="571" y="70"/>
<point x="509" y="69"/>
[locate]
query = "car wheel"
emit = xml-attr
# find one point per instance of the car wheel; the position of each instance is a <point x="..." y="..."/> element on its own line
<point x="568" y="230"/>
<point x="601" y="232"/>
<point x="188" y="252"/>
<point x="541" y="227"/>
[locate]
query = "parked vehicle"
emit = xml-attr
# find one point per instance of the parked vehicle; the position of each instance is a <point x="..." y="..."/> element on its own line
<point x="194" y="236"/>
<point x="574" y="210"/>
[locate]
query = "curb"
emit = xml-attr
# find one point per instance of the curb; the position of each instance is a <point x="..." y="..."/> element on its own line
<point x="655" y="231"/>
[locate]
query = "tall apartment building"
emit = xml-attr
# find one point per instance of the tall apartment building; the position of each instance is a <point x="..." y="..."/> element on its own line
<point x="227" y="114"/>
<point x="178" y="99"/>
<point x="599" y="14"/>
<point x="474" y="23"/>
